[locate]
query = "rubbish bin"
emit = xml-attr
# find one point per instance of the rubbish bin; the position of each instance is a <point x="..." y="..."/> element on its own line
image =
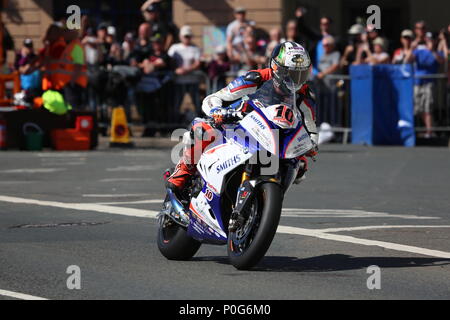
<point x="34" y="137"/>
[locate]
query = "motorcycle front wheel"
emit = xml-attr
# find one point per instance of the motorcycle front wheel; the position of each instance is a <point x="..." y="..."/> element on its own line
<point x="248" y="245"/>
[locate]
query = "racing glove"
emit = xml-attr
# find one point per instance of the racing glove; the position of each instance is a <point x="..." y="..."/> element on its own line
<point x="222" y="115"/>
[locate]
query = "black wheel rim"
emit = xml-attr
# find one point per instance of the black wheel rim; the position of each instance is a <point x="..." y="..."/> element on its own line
<point x="241" y="240"/>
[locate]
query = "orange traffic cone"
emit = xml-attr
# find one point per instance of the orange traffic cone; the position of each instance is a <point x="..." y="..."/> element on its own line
<point x="120" y="134"/>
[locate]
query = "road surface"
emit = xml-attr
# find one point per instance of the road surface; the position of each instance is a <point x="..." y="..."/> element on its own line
<point x="360" y="207"/>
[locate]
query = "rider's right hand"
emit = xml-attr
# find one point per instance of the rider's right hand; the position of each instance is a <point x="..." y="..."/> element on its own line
<point x="218" y="115"/>
<point x="222" y="115"/>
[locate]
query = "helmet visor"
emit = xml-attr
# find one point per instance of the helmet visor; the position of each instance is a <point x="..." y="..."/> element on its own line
<point x="294" y="79"/>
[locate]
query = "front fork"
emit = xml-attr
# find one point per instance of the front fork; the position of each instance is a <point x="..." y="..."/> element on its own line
<point x="245" y="196"/>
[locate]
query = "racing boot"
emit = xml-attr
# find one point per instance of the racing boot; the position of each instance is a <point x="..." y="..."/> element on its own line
<point x="176" y="179"/>
<point x="301" y="174"/>
<point x="182" y="173"/>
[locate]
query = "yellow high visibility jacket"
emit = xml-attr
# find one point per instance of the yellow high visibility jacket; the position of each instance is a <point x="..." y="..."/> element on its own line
<point x="70" y="66"/>
<point x="59" y="72"/>
<point x="50" y="73"/>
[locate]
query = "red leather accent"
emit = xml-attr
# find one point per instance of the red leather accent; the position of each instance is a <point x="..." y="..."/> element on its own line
<point x="266" y="74"/>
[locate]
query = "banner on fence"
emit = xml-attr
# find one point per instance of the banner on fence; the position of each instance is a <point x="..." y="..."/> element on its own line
<point x="382" y="105"/>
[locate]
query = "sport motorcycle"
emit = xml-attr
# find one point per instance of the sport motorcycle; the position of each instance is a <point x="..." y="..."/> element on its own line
<point x="236" y="196"/>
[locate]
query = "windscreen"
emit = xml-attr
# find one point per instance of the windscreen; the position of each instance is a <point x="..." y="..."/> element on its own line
<point x="268" y="95"/>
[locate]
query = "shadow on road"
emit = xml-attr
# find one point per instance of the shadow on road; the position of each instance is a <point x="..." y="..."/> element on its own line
<point x="341" y="262"/>
<point x="334" y="262"/>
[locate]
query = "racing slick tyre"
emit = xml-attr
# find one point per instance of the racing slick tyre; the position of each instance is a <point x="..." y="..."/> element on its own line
<point x="173" y="241"/>
<point x="248" y="245"/>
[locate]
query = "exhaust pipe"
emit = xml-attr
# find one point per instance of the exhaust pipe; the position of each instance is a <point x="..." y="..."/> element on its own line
<point x="175" y="210"/>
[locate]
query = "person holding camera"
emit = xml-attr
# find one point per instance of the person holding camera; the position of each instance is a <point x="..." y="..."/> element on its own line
<point x="427" y="60"/>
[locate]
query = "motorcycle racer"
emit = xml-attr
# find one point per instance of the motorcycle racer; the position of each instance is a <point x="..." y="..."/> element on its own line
<point x="290" y="67"/>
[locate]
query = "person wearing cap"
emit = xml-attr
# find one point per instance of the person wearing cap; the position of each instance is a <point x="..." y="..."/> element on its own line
<point x="128" y="45"/>
<point x="111" y="35"/>
<point x="377" y="56"/>
<point x="236" y="29"/>
<point x="158" y="60"/>
<point x="153" y="14"/>
<point x="373" y="33"/>
<point x="186" y="57"/>
<point x="427" y="61"/>
<point x="25" y="57"/>
<point x="151" y="92"/>
<point x="406" y="39"/>
<point x="356" y="35"/>
<point x="94" y="59"/>
<point x="115" y="54"/>
<point x="148" y="8"/>
<point x="30" y="78"/>
<point x="326" y="87"/>
<point x="102" y="33"/>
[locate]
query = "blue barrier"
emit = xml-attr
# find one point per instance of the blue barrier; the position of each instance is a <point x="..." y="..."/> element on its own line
<point x="382" y="105"/>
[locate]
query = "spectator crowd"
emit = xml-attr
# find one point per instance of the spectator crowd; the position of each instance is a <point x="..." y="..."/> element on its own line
<point x="157" y="66"/>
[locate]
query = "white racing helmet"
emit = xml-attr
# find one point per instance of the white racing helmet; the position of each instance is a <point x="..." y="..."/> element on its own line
<point x="291" y="65"/>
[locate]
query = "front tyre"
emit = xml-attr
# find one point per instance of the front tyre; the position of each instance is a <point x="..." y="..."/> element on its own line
<point x="248" y="245"/>
<point x="173" y="241"/>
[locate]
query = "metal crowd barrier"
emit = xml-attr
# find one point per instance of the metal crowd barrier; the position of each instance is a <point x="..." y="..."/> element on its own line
<point x="441" y="109"/>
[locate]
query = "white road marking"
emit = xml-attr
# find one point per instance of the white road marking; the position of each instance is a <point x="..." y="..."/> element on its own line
<point x="349" y="239"/>
<point x="17" y="182"/>
<point x="138" y="153"/>
<point x="84" y="207"/>
<point x="74" y="160"/>
<point x="160" y="201"/>
<point x="133" y="168"/>
<point x="333" y="230"/>
<point x="115" y="195"/>
<point x="75" y="163"/>
<point x="327" y="213"/>
<point x="63" y="159"/>
<point x="125" y="180"/>
<point x="62" y="154"/>
<point x="20" y="296"/>
<point x="37" y="170"/>
<point x="317" y="233"/>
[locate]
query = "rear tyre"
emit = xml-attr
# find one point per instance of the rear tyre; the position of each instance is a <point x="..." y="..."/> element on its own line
<point x="248" y="245"/>
<point x="173" y="241"/>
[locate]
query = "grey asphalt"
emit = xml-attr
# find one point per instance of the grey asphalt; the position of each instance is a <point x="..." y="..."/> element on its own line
<point x="349" y="186"/>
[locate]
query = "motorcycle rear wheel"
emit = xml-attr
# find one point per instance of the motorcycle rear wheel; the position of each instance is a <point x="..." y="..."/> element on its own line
<point x="248" y="245"/>
<point x="173" y="241"/>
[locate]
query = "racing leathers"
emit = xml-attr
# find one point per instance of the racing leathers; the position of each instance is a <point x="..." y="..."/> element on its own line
<point x="201" y="133"/>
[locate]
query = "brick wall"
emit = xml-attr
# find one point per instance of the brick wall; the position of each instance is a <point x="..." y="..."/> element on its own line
<point x="200" y="13"/>
<point x="27" y="19"/>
